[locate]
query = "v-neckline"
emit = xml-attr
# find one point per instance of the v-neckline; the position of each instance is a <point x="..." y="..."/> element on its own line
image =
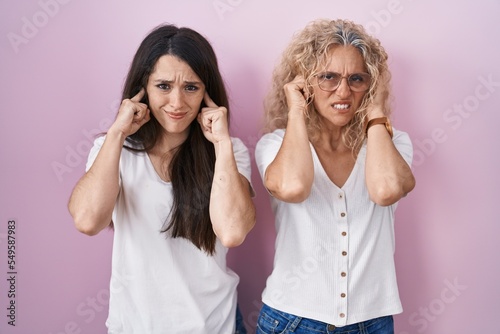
<point x="325" y="174"/>
<point x="152" y="166"/>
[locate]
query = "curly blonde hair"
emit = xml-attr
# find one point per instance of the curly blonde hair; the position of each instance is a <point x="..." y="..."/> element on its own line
<point x="306" y="55"/>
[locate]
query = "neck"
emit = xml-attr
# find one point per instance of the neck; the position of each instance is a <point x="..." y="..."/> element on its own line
<point x="330" y="139"/>
<point x="168" y="142"/>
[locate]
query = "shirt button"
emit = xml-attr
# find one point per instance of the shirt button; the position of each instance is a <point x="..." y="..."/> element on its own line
<point x="344" y="253"/>
<point x="341" y="196"/>
<point x="342" y="214"/>
<point x="342" y="295"/>
<point x="343" y="274"/>
<point x="344" y="234"/>
<point x="342" y="315"/>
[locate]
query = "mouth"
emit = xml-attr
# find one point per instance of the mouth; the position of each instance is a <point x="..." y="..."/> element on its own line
<point x="174" y="115"/>
<point x="341" y="106"/>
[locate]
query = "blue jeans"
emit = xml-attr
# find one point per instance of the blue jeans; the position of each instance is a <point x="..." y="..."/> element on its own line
<point x="240" y="325"/>
<point x="272" y="321"/>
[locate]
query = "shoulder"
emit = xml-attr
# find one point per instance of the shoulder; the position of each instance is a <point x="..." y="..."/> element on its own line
<point x="267" y="148"/>
<point x="239" y="147"/>
<point x="242" y="157"/>
<point x="126" y="150"/>
<point x="240" y="150"/>
<point x="269" y="138"/>
<point x="99" y="141"/>
<point x="238" y="144"/>
<point x="403" y="144"/>
<point x="276" y="134"/>
<point x="401" y="139"/>
<point x="400" y="136"/>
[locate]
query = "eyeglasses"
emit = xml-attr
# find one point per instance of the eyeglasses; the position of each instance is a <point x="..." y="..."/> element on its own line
<point x="330" y="81"/>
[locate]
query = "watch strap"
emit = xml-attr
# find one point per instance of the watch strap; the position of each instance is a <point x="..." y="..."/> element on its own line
<point x="379" y="120"/>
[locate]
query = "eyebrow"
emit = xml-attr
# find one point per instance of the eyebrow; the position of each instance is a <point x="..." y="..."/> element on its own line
<point x="171" y="81"/>
<point x="339" y="74"/>
<point x="362" y="72"/>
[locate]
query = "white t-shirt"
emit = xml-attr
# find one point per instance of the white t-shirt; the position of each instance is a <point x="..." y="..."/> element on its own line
<point x="334" y="259"/>
<point x="161" y="284"/>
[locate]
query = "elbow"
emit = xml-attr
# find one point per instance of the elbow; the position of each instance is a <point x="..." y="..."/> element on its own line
<point x="290" y="192"/>
<point x="88" y="231"/>
<point x="236" y="234"/>
<point x="409" y="185"/>
<point x="297" y="196"/>
<point x="384" y="197"/>
<point x="231" y="240"/>
<point x="385" y="194"/>
<point x="85" y="225"/>
<point x="389" y="194"/>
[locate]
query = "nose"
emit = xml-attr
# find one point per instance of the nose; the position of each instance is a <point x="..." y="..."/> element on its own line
<point x="175" y="99"/>
<point x="343" y="90"/>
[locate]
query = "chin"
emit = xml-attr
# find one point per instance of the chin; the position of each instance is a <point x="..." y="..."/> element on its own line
<point x="338" y="120"/>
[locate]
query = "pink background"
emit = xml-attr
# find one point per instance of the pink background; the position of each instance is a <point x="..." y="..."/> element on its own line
<point x="62" y="67"/>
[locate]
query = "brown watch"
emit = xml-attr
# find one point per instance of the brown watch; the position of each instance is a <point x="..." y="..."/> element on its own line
<point x="380" y="120"/>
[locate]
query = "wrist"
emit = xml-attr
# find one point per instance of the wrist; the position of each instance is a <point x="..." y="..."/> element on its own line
<point x="224" y="145"/>
<point x="297" y="112"/>
<point x="382" y="121"/>
<point x="375" y="112"/>
<point x="116" y="134"/>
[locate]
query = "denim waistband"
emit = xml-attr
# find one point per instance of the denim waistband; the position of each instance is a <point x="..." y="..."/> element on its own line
<point x="275" y="321"/>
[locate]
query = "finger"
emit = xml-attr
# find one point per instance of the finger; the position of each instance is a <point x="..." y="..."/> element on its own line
<point x="307" y="95"/>
<point x="299" y="81"/>
<point x="297" y="84"/>
<point x="141" y="110"/>
<point x="208" y="101"/>
<point x="138" y="96"/>
<point x="142" y="118"/>
<point x="128" y="107"/>
<point x="138" y="113"/>
<point x="145" y="119"/>
<point x="201" y="119"/>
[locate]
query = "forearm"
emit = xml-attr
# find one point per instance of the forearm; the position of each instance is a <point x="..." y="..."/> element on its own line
<point x="388" y="176"/>
<point x="231" y="207"/>
<point x="93" y="198"/>
<point x="290" y="176"/>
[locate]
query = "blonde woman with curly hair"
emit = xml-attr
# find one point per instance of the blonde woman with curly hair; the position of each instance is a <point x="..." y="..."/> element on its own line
<point x="335" y="169"/>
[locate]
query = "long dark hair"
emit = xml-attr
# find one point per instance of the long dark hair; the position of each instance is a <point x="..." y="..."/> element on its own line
<point x="192" y="166"/>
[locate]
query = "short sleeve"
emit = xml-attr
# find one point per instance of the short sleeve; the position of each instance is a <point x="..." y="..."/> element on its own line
<point x="267" y="148"/>
<point x="94" y="151"/>
<point x="98" y="142"/>
<point x="404" y="146"/>
<point x="242" y="157"/>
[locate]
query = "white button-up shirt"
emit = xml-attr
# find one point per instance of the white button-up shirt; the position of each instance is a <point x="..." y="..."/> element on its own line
<point x="334" y="259"/>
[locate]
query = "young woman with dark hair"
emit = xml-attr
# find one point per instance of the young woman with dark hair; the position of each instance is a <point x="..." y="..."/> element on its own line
<point x="176" y="188"/>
